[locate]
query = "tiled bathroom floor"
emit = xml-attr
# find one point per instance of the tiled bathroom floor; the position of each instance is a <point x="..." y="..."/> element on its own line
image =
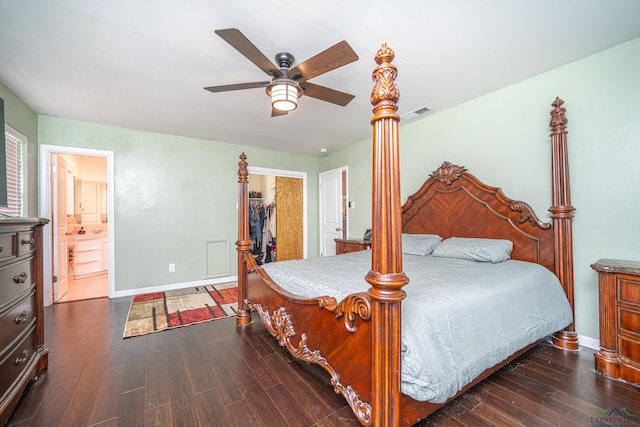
<point x="90" y="287"/>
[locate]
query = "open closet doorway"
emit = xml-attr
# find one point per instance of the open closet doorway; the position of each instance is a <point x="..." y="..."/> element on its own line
<point x="78" y="244"/>
<point x="277" y="214"/>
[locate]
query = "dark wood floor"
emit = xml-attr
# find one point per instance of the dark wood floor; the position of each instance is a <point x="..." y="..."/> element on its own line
<point x="215" y="374"/>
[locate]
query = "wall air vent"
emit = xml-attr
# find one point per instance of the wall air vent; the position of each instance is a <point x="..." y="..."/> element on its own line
<point x="412" y="115"/>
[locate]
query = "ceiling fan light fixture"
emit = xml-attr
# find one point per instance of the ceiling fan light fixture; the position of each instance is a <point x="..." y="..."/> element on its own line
<point x="284" y="97"/>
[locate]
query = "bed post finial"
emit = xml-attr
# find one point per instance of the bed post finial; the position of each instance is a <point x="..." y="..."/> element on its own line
<point x="386" y="276"/>
<point x="243" y="172"/>
<point x="558" y="119"/>
<point x="562" y="217"/>
<point x="243" y="315"/>
<point x="385" y="94"/>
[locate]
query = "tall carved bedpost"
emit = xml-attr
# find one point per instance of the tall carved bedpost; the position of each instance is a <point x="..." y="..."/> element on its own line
<point x="562" y="216"/>
<point x="386" y="276"/>
<point x="243" y="315"/>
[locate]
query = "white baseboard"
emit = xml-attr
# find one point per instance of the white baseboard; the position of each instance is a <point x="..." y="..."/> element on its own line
<point x="589" y="342"/>
<point x="174" y="286"/>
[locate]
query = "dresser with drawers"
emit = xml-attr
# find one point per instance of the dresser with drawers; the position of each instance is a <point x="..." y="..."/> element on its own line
<point x="619" y="302"/>
<point x="22" y="352"/>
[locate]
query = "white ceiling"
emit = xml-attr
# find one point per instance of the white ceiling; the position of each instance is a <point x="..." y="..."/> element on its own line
<point x="142" y="64"/>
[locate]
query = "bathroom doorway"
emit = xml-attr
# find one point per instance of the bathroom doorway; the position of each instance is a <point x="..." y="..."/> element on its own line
<point x="78" y="244"/>
<point x="82" y="240"/>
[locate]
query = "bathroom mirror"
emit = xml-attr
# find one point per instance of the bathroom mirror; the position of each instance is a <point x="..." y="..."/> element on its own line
<point x="90" y="201"/>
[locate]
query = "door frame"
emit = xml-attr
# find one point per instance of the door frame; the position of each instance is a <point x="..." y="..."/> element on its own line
<point x="44" y="211"/>
<point x="256" y="170"/>
<point x="344" y="171"/>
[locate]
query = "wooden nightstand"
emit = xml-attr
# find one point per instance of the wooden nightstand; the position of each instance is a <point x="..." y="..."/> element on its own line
<point x="619" y="293"/>
<point x="344" y="246"/>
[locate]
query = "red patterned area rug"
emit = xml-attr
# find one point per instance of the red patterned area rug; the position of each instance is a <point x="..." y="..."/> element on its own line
<point x="160" y="311"/>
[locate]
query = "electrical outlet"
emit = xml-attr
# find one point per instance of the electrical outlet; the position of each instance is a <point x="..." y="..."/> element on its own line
<point x="172" y="267"/>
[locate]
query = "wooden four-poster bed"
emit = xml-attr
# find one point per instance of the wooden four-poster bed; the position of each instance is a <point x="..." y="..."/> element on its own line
<point x="357" y="336"/>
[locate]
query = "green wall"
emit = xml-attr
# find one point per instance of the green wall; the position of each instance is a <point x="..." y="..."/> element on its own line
<point x="503" y="139"/>
<point x="19" y="116"/>
<point x="172" y="195"/>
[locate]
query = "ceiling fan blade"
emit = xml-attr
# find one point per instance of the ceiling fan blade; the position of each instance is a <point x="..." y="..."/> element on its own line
<point x="326" y="94"/>
<point x="237" y="40"/>
<point x="329" y="59"/>
<point x="238" y="86"/>
<point x="275" y="112"/>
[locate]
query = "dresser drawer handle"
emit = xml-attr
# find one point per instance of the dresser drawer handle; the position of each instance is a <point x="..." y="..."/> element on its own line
<point x="20" y="278"/>
<point x="1" y="248"/>
<point x="22" y="318"/>
<point x="28" y="242"/>
<point x="22" y="359"/>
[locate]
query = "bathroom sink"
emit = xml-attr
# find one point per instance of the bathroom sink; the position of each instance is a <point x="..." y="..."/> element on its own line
<point x="89" y="236"/>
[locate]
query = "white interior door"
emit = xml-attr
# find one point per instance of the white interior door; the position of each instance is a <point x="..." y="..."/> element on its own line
<point x="59" y="226"/>
<point x="331" y="211"/>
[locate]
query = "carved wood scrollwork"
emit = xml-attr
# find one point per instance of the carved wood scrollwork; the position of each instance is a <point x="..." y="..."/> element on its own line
<point x="527" y="214"/>
<point x="447" y="173"/>
<point x="250" y="266"/>
<point x="351" y="307"/>
<point x="279" y="325"/>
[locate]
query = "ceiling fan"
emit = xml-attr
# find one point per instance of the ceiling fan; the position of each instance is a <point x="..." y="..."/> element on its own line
<point x="288" y="84"/>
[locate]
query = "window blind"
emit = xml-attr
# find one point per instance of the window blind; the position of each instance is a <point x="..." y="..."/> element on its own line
<point x="14" y="146"/>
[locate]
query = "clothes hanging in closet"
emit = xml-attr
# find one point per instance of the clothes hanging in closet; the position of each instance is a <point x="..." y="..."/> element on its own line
<point x="268" y="234"/>
<point x="256" y="225"/>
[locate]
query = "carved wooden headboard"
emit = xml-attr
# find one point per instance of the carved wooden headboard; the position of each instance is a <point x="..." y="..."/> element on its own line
<point x="454" y="203"/>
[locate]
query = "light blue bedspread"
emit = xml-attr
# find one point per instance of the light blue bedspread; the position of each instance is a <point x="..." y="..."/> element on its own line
<point x="459" y="318"/>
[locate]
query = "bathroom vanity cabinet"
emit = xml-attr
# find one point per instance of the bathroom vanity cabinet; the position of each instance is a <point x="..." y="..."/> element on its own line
<point x="90" y="255"/>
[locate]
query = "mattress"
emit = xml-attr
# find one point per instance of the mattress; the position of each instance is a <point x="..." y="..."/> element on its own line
<point x="460" y="317"/>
